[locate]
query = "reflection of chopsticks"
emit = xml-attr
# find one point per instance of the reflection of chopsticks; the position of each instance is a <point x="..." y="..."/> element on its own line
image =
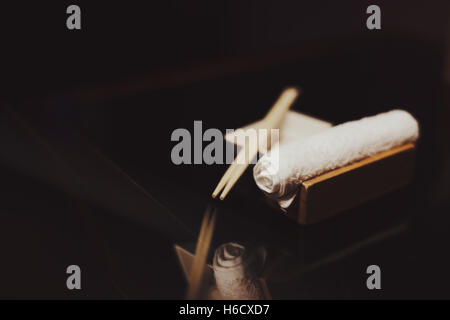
<point x="271" y="121"/>
<point x="201" y="253"/>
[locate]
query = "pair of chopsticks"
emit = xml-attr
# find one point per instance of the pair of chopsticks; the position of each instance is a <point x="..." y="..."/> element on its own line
<point x="271" y="121"/>
<point x="201" y="253"/>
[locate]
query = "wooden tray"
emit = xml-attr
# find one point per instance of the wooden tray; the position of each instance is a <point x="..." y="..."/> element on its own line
<point x="338" y="190"/>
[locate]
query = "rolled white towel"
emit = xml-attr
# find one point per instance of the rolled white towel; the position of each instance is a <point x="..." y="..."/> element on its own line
<point x="236" y="272"/>
<point x="280" y="172"/>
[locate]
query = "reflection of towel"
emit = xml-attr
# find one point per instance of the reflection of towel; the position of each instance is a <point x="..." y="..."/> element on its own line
<point x="280" y="172"/>
<point x="235" y="271"/>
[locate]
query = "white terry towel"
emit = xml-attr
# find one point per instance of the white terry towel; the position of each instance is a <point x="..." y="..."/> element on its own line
<point x="284" y="168"/>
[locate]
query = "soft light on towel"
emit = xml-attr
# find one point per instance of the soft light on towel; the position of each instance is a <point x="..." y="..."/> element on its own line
<point x="279" y="173"/>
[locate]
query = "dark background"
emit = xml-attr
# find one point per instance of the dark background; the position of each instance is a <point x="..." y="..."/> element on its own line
<point x="138" y="70"/>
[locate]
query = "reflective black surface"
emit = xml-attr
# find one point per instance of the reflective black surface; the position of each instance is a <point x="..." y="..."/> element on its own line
<point x="87" y="177"/>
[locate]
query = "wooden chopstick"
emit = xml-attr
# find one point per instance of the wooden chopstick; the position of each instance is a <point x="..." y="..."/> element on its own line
<point x="201" y="253"/>
<point x="271" y="121"/>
